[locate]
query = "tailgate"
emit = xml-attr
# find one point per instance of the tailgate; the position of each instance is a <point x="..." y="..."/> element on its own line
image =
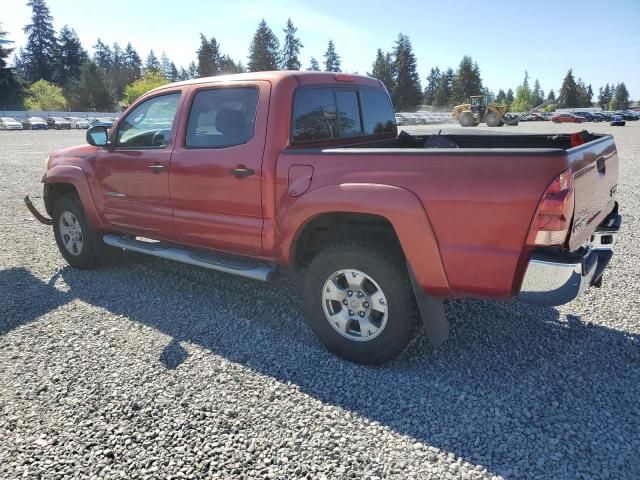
<point x="595" y="170"/>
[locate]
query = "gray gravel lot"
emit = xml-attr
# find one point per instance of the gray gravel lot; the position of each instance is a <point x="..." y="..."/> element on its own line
<point x="158" y="370"/>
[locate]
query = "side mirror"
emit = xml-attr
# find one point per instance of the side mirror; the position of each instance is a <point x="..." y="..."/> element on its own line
<point x="98" y="136"/>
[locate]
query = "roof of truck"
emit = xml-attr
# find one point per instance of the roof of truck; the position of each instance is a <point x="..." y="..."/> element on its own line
<point x="303" y="77"/>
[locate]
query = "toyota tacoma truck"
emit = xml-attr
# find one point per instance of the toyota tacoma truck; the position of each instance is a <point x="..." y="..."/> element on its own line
<point x="253" y="173"/>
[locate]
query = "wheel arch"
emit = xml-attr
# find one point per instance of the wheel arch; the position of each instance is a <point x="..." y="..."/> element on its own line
<point x="395" y="211"/>
<point x="69" y="179"/>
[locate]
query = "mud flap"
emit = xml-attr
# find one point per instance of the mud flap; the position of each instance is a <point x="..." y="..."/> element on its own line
<point x="434" y="318"/>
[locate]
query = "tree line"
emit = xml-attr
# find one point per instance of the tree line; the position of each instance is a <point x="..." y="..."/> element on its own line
<point x="55" y="72"/>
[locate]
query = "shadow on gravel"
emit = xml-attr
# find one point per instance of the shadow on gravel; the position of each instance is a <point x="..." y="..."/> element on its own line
<point x="517" y="389"/>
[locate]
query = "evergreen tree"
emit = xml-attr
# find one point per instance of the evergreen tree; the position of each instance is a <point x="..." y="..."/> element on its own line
<point x="40" y="51"/>
<point x="291" y="49"/>
<point x="117" y="76"/>
<point x="551" y="98"/>
<point x="70" y="57"/>
<point x="91" y="91"/>
<point x="314" y="66"/>
<point x="152" y="64"/>
<point x="193" y="70"/>
<point x="501" y="98"/>
<point x="263" y="52"/>
<point x="383" y="69"/>
<point x="174" y="74"/>
<point x="444" y="93"/>
<point x="622" y="96"/>
<point x="183" y="75"/>
<point x="467" y="81"/>
<point x="407" y="93"/>
<point x="228" y="66"/>
<point x="103" y="56"/>
<point x="133" y="64"/>
<point x="165" y="66"/>
<point x="433" y="79"/>
<point x="584" y="100"/>
<point x="523" y="101"/>
<point x="11" y="92"/>
<point x="537" y="95"/>
<point x="569" y="92"/>
<point x="208" y="57"/>
<point x="604" y="96"/>
<point x="331" y="58"/>
<point x="510" y="97"/>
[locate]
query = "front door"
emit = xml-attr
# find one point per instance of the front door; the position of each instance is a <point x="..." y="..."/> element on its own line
<point x="133" y="174"/>
<point x="216" y="171"/>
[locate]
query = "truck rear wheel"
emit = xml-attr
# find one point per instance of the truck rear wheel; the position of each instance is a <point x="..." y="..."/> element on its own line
<point x="359" y="302"/>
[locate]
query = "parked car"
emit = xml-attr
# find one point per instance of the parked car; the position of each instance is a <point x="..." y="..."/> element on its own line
<point x="9" y="123"/>
<point x="79" y="123"/>
<point x="600" y="117"/>
<point x="384" y="226"/>
<point x="400" y="120"/>
<point x="58" y="123"/>
<point x="566" y="117"/>
<point x="34" y="123"/>
<point x="105" y="122"/>
<point x="618" y="121"/>
<point x="588" y="116"/>
<point x="628" y="115"/>
<point x="533" y="117"/>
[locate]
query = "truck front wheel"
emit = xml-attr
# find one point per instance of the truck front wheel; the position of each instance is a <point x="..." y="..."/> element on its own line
<point x="359" y="302"/>
<point x="71" y="230"/>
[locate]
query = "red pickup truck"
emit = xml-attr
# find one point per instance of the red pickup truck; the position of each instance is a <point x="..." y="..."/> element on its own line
<point x="254" y="172"/>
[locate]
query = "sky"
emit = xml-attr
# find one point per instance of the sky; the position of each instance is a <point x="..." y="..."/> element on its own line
<point x="600" y="40"/>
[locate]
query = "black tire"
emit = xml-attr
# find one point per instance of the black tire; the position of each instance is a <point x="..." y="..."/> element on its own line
<point x="492" y="119"/>
<point x="87" y="257"/>
<point x="466" y="119"/>
<point x="388" y="269"/>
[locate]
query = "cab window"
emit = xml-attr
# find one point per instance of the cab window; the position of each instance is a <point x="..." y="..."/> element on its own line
<point x="149" y="124"/>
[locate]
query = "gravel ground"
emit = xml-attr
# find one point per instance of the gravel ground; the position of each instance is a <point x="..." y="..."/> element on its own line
<point x="159" y="370"/>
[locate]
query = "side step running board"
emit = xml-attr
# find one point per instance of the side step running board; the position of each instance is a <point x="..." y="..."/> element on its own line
<point x="221" y="262"/>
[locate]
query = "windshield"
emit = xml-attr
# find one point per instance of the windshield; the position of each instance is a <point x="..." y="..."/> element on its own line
<point x="36" y="119"/>
<point x="8" y="119"/>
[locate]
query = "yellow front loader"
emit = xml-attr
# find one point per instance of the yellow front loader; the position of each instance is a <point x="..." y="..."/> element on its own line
<point x="479" y="111"/>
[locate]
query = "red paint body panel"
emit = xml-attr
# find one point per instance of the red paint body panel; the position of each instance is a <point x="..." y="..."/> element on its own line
<point x="461" y="216"/>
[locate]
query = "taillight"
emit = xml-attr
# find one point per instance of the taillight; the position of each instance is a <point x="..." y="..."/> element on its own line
<point x="553" y="217"/>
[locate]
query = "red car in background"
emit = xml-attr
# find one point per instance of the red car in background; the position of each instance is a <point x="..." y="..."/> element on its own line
<point x="567" y="117"/>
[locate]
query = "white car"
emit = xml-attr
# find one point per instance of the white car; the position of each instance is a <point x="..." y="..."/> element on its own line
<point x="8" y="123"/>
<point x="78" y="123"/>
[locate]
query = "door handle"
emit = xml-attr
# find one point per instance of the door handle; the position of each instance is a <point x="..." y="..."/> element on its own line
<point x="242" y="172"/>
<point x="156" y="168"/>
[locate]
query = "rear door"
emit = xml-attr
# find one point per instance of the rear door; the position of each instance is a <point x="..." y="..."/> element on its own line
<point x="133" y="174"/>
<point x="595" y="170"/>
<point x="216" y="171"/>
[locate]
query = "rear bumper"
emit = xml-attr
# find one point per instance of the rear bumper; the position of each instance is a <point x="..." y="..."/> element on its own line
<point x="557" y="278"/>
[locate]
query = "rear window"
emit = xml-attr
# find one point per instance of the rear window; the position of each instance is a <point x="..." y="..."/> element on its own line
<point x="325" y="113"/>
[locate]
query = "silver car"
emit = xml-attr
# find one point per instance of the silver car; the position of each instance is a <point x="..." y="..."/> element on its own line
<point x="8" y="123"/>
<point x="78" y="123"/>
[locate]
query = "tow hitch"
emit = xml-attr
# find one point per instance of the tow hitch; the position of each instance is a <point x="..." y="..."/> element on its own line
<point x="41" y="218"/>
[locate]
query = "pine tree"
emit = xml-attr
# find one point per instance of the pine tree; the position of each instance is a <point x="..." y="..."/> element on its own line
<point x="537" y="96"/>
<point x="70" y="57"/>
<point x="383" y="70"/>
<point x="165" y="65"/>
<point x="551" y="98"/>
<point x="208" y="57"/>
<point x="11" y="91"/>
<point x="291" y="49"/>
<point x="91" y="91"/>
<point x="331" y="58"/>
<point x="501" y="98"/>
<point x="263" y="52"/>
<point x="174" y="75"/>
<point x="569" y="92"/>
<point x="467" y="81"/>
<point x="584" y="100"/>
<point x="510" y="96"/>
<point x="133" y="64"/>
<point x="102" y="56"/>
<point x="433" y="79"/>
<point x="314" y="66"/>
<point x="152" y="64"/>
<point x="193" y="70"/>
<point x="407" y="93"/>
<point x="40" y="51"/>
<point x="622" y="96"/>
<point x="444" y="93"/>
<point x="183" y="75"/>
<point x="117" y="76"/>
<point x="604" y="96"/>
<point x="229" y="66"/>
